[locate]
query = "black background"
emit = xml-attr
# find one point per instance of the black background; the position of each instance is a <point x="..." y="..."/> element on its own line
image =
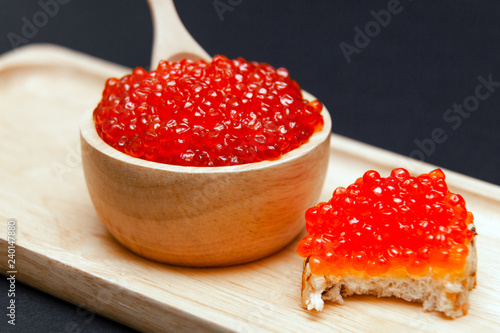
<point x="393" y="93"/>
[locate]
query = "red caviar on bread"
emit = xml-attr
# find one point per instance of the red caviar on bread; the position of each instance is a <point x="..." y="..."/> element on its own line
<point x="402" y="236"/>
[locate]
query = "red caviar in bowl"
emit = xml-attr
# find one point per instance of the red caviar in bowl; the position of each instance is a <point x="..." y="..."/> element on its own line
<point x="397" y="225"/>
<point x="194" y="113"/>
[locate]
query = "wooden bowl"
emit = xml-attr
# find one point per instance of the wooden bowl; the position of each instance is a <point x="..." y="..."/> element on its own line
<point x="204" y="216"/>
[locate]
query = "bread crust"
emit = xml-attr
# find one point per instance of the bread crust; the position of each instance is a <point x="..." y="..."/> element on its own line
<point x="450" y="296"/>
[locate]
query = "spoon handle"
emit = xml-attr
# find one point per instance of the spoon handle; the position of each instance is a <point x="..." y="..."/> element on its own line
<point x="171" y="40"/>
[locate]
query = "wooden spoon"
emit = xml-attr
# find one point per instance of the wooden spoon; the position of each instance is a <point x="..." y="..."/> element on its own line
<point x="172" y="41"/>
<point x="201" y="216"/>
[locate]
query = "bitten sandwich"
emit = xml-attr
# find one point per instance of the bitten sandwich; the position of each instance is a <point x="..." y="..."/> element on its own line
<point x="402" y="236"/>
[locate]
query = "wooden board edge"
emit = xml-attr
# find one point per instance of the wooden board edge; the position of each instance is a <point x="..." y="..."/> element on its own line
<point x="54" y="55"/>
<point x="385" y="158"/>
<point x="96" y="294"/>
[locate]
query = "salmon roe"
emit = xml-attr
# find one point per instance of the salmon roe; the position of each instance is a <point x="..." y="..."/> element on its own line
<point x="395" y="225"/>
<point x="194" y="113"/>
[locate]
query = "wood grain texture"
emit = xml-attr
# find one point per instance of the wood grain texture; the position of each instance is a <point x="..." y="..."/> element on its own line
<point x="204" y="216"/>
<point x="64" y="249"/>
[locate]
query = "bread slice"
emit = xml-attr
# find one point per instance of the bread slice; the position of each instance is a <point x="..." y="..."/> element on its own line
<point x="450" y="296"/>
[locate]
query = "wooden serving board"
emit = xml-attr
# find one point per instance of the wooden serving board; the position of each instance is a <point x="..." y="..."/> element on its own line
<point x="63" y="249"/>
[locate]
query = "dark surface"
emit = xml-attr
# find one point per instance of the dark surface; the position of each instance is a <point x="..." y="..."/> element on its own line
<point x="394" y="92"/>
<point x="37" y="311"/>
